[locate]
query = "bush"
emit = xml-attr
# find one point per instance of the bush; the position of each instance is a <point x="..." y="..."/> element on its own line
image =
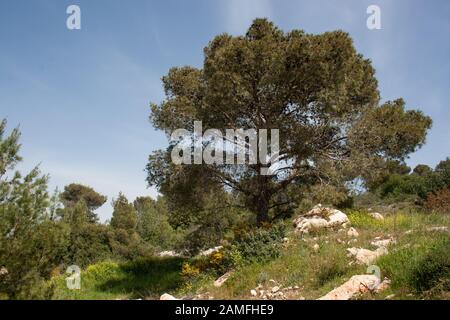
<point x="439" y="201"/>
<point x="422" y="268"/>
<point x="213" y="264"/>
<point x="259" y="245"/>
<point x="102" y="272"/>
<point x="215" y="226"/>
<point x="433" y="270"/>
<point x="189" y="271"/>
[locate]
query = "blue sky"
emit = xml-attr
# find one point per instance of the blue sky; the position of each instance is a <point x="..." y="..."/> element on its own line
<point x="81" y="97"/>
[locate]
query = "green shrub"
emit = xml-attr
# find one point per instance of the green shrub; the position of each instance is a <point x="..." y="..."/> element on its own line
<point x="144" y="266"/>
<point x="422" y="267"/>
<point x="433" y="269"/>
<point x="102" y="272"/>
<point x="259" y="245"/>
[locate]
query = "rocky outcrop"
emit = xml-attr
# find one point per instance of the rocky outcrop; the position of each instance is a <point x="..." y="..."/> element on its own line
<point x="169" y="254"/>
<point x="210" y="251"/>
<point x="172" y="253"/>
<point x="365" y="256"/>
<point x="306" y="225"/>
<point x="337" y="219"/>
<point x="382" y="243"/>
<point x="319" y="218"/>
<point x="220" y="281"/>
<point x="357" y="285"/>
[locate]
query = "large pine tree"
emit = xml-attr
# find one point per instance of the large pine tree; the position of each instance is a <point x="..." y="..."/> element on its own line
<point x="317" y="90"/>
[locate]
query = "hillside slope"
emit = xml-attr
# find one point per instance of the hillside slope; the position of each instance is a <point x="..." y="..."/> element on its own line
<point x="416" y="261"/>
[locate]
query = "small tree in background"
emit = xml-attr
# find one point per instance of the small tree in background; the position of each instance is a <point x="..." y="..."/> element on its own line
<point x="88" y="242"/>
<point x="124" y="215"/>
<point x="421" y="183"/>
<point x="74" y="193"/>
<point x="125" y="240"/>
<point x="153" y="223"/>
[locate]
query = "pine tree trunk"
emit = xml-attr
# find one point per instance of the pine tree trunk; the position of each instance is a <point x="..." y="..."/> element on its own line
<point x="262" y="210"/>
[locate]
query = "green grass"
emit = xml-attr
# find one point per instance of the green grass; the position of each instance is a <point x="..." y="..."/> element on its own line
<point x="420" y="265"/>
<point x="400" y="221"/>
<point x="141" y="279"/>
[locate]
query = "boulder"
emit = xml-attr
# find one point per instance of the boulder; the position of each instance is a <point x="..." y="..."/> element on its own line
<point x="382" y="243"/>
<point x="319" y="218"/>
<point x="305" y="225"/>
<point x="167" y="296"/>
<point x="356" y="285"/>
<point x="352" y="233"/>
<point x="169" y="254"/>
<point x="337" y="218"/>
<point x="365" y="256"/>
<point x="376" y="215"/>
<point x="317" y="210"/>
<point x="210" y="251"/>
<point x="220" y="281"/>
